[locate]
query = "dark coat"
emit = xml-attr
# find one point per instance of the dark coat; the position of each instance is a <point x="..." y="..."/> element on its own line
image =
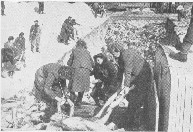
<point x="19" y="44"/>
<point x="35" y="32"/>
<point x="109" y="67"/>
<point x="162" y="78"/>
<point x="138" y="72"/>
<point x="65" y="32"/>
<point x="188" y="39"/>
<point x="81" y="61"/>
<point x="120" y="65"/>
<point x="134" y="65"/>
<point x="80" y="58"/>
<point x="46" y="84"/>
<point x="107" y="73"/>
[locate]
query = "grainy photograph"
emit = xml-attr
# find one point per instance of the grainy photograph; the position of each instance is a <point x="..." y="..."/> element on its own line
<point x="96" y="66"/>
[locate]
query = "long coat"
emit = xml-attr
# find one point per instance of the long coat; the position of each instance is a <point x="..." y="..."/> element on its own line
<point x="138" y="72"/>
<point x="46" y="84"/>
<point x="82" y="62"/>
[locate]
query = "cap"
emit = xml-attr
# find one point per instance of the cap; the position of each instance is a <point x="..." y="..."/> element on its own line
<point x="21" y="34"/>
<point x="36" y="21"/>
<point x="11" y="38"/>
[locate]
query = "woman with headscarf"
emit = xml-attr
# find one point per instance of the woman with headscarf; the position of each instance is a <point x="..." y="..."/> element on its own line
<point x="82" y="62"/>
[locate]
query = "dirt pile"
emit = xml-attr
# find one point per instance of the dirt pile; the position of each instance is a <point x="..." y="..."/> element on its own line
<point x="142" y="35"/>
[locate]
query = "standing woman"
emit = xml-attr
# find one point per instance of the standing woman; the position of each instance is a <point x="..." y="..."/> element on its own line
<point x="82" y="62"/>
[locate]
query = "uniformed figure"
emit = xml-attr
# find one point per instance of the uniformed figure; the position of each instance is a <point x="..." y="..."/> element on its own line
<point x="65" y="31"/>
<point x="34" y="37"/>
<point x="186" y="45"/>
<point x="41" y="7"/>
<point x="2" y="8"/>
<point x="137" y="72"/>
<point x="68" y="20"/>
<point x="82" y="62"/>
<point x="49" y="84"/>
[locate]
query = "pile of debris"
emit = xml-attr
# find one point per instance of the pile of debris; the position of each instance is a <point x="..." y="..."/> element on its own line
<point x="141" y="35"/>
<point x="21" y="112"/>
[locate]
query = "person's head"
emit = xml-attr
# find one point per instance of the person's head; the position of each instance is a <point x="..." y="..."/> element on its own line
<point x="73" y="21"/>
<point x="81" y="43"/>
<point x="99" y="59"/>
<point x="116" y="52"/>
<point x="104" y="49"/>
<point x="70" y="18"/>
<point x="36" y="22"/>
<point x="21" y="34"/>
<point x="65" y="72"/>
<point x="11" y="38"/>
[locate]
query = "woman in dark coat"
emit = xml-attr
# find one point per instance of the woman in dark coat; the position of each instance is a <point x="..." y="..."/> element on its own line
<point x="82" y="62"/>
<point x="109" y="74"/>
<point x="50" y="81"/>
<point x="137" y="72"/>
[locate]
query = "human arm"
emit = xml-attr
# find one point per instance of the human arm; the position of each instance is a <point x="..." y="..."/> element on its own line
<point x="70" y="61"/>
<point x="128" y="68"/>
<point x="48" y="85"/>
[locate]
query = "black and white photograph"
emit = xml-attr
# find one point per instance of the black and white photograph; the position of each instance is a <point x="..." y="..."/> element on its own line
<point x="97" y="65"/>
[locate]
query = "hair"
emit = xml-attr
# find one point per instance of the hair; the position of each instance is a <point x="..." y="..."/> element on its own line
<point x="100" y="55"/>
<point x="81" y="43"/>
<point x="21" y="34"/>
<point x="10" y="38"/>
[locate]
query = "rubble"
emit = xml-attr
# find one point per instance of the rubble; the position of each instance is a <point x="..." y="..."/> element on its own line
<point x="142" y="35"/>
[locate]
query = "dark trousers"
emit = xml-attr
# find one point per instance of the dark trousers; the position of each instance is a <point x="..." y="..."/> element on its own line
<point x="97" y="93"/>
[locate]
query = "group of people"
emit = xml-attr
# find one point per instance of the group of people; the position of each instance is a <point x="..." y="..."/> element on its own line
<point x="67" y="30"/>
<point x="98" y="8"/>
<point x="14" y="50"/>
<point x="50" y="79"/>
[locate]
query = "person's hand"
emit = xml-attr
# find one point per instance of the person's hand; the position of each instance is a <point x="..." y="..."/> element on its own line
<point x="99" y="80"/>
<point x="58" y="99"/>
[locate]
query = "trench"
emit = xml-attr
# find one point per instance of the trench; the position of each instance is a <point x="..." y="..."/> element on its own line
<point x="100" y="37"/>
